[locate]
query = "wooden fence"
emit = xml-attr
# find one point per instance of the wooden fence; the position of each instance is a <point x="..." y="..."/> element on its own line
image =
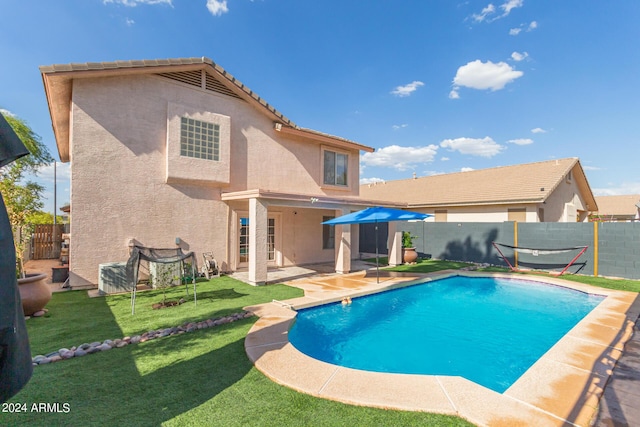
<point x="47" y="241"/>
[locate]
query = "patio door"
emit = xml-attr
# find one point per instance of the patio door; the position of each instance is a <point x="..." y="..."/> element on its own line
<point x="273" y="240"/>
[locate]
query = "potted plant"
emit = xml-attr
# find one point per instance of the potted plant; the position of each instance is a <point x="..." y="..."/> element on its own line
<point x="409" y="254"/>
<point x="21" y="200"/>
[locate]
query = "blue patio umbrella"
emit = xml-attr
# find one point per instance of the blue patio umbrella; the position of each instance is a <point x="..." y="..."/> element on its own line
<point x="375" y="215"/>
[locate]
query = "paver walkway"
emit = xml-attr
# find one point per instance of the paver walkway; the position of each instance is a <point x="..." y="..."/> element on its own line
<point x="619" y="405"/>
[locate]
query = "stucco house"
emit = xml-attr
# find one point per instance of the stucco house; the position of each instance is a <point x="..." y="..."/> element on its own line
<point x="549" y="191"/>
<point x="179" y="152"/>
<point x="621" y="208"/>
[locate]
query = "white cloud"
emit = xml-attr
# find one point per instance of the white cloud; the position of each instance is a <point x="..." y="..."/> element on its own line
<point x="365" y="181"/>
<point x="396" y="127"/>
<point x="483" y="147"/>
<point x="217" y="7"/>
<point x="444" y="159"/>
<point x="400" y="158"/>
<point x="407" y="89"/>
<point x="591" y="168"/>
<point x="517" y="56"/>
<point x="133" y="3"/>
<point x="466" y="169"/>
<point x="489" y="10"/>
<point x="623" y="189"/>
<point x="62" y="172"/>
<point x="510" y="5"/>
<point x="538" y="130"/>
<point x="515" y="31"/>
<point x="129" y="22"/>
<point x="521" y="141"/>
<point x="454" y="94"/>
<point x="485" y="75"/>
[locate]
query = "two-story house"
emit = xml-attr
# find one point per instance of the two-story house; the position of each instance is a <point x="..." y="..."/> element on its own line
<point x="179" y="152"/>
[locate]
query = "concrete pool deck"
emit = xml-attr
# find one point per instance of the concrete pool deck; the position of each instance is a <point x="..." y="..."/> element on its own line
<point x="562" y="388"/>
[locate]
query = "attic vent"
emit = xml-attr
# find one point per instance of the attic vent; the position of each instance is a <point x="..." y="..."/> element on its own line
<point x="214" y="85"/>
<point x="194" y="78"/>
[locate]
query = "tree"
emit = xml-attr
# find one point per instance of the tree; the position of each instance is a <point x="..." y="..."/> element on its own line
<point x="40" y="217"/>
<point x="23" y="198"/>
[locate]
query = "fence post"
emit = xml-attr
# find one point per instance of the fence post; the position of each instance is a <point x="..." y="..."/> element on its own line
<point x="515" y="243"/>
<point x="595" y="248"/>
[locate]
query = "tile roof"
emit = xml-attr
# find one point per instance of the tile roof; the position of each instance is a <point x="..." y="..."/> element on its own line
<point x="525" y="183"/>
<point x="57" y="80"/>
<point x="618" y="205"/>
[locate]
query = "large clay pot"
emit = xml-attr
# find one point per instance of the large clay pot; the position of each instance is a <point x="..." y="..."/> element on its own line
<point x="409" y="255"/>
<point x="35" y="293"/>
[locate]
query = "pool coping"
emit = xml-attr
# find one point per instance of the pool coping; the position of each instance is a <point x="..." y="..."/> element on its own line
<point x="562" y="388"/>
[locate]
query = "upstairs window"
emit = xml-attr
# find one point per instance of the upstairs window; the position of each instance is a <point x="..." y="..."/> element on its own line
<point x="199" y="139"/>
<point x="335" y="168"/>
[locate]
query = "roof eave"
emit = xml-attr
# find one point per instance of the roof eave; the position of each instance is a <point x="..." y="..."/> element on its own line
<point x="324" y="138"/>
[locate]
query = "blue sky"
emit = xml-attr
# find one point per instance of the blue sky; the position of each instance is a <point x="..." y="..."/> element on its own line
<point x="434" y="86"/>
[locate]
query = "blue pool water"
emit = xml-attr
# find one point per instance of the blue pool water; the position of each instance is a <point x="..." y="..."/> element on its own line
<point x="487" y="330"/>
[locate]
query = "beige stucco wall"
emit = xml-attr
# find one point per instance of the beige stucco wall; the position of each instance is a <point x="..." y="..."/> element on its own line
<point x="119" y="172"/>
<point x="565" y="199"/>
<point x="494" y="213"/>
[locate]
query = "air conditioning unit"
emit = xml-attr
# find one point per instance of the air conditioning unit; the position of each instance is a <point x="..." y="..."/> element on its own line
<point x="112" y="278"/>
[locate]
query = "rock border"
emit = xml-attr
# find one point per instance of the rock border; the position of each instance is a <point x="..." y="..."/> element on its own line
<point x="98" y="346"/>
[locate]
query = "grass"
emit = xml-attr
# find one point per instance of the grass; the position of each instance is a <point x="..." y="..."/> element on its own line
<point x="199" y="378"/>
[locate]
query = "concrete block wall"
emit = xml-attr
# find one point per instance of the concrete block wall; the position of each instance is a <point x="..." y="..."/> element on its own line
<point x="619" y="249"/>
<point x="557" y="235"/>
<point x="618" y="244"/>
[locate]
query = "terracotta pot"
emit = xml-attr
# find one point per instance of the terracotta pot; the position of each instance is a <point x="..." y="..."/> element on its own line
<point x="409" y="255"/>
<point x="35" y="293"/>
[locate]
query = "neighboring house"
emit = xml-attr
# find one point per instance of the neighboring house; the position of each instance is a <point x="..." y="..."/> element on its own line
<point x="617" y="208"/>
<point x="179" y="152"/>
<point x="550" y="191"/>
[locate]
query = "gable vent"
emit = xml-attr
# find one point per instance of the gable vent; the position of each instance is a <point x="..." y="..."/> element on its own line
<point x="194" y="78"/>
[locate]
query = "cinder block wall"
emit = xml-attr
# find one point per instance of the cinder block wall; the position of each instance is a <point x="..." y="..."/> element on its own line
<point x="618" y="244"/>
<point x="619" y="249"/>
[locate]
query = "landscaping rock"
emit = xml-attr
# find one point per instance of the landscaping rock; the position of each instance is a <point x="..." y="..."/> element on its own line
<point x="39" y="313"/>
<point x="67" y="354"/>
<point x="97" y="346"/>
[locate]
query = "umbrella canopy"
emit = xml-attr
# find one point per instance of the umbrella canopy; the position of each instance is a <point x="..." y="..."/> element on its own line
<point x="376" y="214"/>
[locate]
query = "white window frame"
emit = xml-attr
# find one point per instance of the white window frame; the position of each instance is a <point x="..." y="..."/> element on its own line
<point x="336" y="152"/>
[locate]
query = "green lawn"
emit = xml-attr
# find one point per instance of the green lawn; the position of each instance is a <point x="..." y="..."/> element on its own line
<point x="193" y="379"/>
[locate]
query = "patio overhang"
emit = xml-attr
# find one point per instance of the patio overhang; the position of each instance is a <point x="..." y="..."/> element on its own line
<point x="315" y="201"/>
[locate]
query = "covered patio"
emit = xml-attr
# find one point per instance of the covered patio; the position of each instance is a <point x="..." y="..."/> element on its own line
<point x="270" y="230"/>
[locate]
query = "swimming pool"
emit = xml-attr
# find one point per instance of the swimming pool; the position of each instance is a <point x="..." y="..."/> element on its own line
<point x="488" y="330"/>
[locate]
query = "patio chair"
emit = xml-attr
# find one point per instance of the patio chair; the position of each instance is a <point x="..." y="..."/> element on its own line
<point x="210" y="265"/>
